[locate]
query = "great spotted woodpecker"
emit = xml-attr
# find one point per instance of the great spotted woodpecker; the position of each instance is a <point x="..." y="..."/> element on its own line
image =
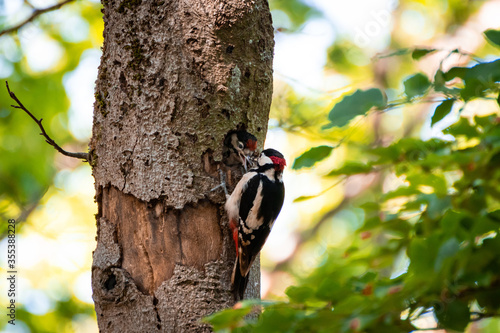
<point x="238" y="145"/>
<point x="252" y="209"/>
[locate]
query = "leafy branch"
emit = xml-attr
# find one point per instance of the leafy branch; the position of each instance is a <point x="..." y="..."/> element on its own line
<point x="423" y="246"/>
<point x="48" y="139"/>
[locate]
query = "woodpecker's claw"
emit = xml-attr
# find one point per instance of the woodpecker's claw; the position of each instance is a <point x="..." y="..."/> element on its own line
<point x="222" y="184"/>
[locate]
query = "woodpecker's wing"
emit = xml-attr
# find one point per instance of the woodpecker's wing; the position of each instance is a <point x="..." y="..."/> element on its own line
<point x="248" y="196"/>
<point x="261" y="202"/>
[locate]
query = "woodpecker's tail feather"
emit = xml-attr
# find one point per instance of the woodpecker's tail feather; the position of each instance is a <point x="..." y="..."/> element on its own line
<point x="238" y="282"/>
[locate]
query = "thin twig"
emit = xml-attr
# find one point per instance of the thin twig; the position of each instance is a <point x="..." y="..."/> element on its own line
<point x="48" y="139"/>
<point x="35" y="14"/>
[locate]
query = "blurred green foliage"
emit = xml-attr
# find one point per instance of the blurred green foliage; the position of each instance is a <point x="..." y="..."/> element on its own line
<point x="28" y="164"/>
<point x="298" y="11"/>
<point x="425" y="251"/>
<point x="444" y="220"/>
<point x="27" y="167"/>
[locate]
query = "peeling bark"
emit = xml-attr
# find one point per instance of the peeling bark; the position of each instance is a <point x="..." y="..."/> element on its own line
<point x="175" y="78"/>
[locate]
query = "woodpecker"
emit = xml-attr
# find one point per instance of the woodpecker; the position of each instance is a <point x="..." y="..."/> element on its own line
<point x="238" y="146"/>
<point x="252" y="209"/>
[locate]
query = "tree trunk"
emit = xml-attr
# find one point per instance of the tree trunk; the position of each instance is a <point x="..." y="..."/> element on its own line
<point x="175" y="77"/>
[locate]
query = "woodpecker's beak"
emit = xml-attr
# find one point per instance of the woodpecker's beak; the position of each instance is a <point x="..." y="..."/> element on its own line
<point x="244" y="160"/>
<point x="246" y="157"/>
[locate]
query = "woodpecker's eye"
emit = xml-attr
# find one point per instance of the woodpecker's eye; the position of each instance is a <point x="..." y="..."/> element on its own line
<point x="240" y="145"/>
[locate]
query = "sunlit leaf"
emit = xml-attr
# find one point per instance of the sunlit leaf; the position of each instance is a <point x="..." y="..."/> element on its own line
<point x="359" y="103"/>
<point x="305" y="198"/>
<point x="311" y="157"/>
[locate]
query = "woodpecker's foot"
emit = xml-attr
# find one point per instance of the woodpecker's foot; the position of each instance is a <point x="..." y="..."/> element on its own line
<point x="222" y="184"/>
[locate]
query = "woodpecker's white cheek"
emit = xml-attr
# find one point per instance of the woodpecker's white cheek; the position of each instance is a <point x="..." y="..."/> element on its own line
<point x="263" y="160"/>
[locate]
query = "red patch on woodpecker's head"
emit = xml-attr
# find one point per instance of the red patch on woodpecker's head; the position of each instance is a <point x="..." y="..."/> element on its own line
<point x="251" y="144"/>
<point x="279" y="163"/>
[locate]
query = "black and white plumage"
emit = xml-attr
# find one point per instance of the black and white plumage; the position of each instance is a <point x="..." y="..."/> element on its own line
<point x="252" y="209"/>
<point x="238" y="146"/>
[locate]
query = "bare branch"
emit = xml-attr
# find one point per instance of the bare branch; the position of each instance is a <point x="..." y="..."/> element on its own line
<point x="35" y="14"/>
<point x="48" y="139"/>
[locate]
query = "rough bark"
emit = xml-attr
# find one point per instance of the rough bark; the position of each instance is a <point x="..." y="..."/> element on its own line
<point x="175" y="77"/>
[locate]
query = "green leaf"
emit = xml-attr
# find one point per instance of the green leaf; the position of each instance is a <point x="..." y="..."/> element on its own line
<point x="442" y="110"/>
<point x="462" y="127"/>
<point x="351" y="168"/>
<point x="480" y="78"/>
<point x="227" y="318"/>
<point x="402" y="191"/>
<point x="495" y="215"/>
<point x="449" y="249"/>
<point x="489" y="299"/>
<point x="439" y="81"/>
<point x="437" y="182"/>
<point x="356" y="104"/>
<point x="417" y="54"/>
<point x="493" y="36"/>
<point x="399" y="52"/>
<point x="416" y="85"/>
<point x="278" y="319"/>
<point x="306" y="197"/>
<point x="437" y="205"/>
<point x="455" y="72"/>
<point x="450" y="223"/>
<point x="329" y="289"/>
<point x="311" y="157"/>
<point x="299" y="294"/>
<point x="483" y="225"/>
<point x="454" y="315"/>
<point x="422" y="253"/>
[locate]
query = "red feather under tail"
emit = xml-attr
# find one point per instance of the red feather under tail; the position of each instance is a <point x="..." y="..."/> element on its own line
<point x="234" y="228"/>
